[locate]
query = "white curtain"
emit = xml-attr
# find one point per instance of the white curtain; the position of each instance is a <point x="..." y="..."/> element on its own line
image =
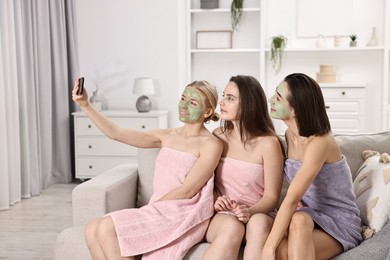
<point x="37" y="58"/>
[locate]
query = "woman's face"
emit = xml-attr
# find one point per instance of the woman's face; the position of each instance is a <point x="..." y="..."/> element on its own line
<point x="230" y="102"/>
<point x="280" y="108"/>
<point x="191" y="106"/>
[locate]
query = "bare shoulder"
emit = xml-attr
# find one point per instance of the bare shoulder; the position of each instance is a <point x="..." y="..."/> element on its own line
<point x="213" y="140"/>
<point x="324" y="140"/>
<point x="270" y="142"/>
<point x="325" y="145"/>
<point x="211" y="143"/>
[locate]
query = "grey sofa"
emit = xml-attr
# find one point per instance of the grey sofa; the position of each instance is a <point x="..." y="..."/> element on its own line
<point x="129" y="185"/>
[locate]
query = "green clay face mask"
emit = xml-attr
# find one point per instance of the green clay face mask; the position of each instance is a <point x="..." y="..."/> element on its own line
<point x="190" y="106"/>
<point x="279" y="103"/>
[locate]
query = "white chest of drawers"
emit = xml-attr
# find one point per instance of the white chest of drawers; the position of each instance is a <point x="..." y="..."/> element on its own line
<point x="95" y="153"/>
<point x="345" y="104"/>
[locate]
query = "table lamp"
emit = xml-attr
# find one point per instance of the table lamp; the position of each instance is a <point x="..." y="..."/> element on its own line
<point x="143" y="87"/>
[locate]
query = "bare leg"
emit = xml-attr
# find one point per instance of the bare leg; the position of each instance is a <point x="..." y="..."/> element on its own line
<point x="90" y="234"/>
<point x="326" y="246"/>
<point x="305" y="242"/>
<point x="257" y="230"/>
<point x="225" y="233"/>
<point x="108" y="240"/>
<point x="281" y="251"/>
<point x="300" y="240"/>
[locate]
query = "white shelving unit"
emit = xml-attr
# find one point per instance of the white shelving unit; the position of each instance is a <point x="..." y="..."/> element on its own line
<point x="246" y="55"/>
<point x="369" y="66"/>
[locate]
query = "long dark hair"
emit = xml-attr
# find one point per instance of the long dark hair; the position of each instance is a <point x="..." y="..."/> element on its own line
<point x="253" y="112"/>
<point x="308" y="103"/>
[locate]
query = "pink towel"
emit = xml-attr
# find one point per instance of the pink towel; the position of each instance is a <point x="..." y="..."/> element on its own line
<point x="166" y="229"/>
<point x="240" y="181"/>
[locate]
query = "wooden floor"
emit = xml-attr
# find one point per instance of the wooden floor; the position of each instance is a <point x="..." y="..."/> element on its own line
<point x="29" y="229"/>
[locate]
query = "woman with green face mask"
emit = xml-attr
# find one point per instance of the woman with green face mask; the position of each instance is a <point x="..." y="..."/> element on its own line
<point x="249" y="175"/>
<point x="181" y="206"/>
<point x="318" y="218"/>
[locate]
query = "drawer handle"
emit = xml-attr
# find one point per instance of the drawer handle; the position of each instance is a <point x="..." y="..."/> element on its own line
<point x="343" y="93"/>
<point x="89" y="126"/>
<point x="90" y="167"/>
<point x="327" y="107"/>
<point x="90" y="146"/>
<point x="143" y="126"/>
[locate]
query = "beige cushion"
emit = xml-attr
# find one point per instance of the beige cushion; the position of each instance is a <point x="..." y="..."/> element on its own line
<point x="372" y="190"/>
<point x="146" y="159"/>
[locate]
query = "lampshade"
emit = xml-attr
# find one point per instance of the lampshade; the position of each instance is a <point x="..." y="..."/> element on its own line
<point x="143" y="86"/>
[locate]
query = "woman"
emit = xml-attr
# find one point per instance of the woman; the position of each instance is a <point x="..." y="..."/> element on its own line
<point x="179" y="210"/>
<point x="326" y="222"/>
<point x="249" y="175"/>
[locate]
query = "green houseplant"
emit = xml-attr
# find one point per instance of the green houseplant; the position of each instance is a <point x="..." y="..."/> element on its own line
<point x="353" y="41"/>
<point x="278" y="43"/>
<point x="236" y="13"/>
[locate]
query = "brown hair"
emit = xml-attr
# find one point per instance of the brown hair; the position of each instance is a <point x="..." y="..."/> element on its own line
<point x="253" y="112"/>
<point x="308" y="103"/>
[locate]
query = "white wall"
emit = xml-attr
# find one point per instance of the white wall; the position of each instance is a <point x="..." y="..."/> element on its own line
<point x="121" y="40"/>
<point x="130" y="39"/>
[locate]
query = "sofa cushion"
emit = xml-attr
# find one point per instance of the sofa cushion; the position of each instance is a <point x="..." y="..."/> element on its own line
<point x="375" y="248"/>
<point x="372" y="190"/>
<point x="352" y="146"/>
<point x="146" y="159"/>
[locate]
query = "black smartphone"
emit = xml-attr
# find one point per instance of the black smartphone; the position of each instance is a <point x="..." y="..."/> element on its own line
<point x="81" y="86"/>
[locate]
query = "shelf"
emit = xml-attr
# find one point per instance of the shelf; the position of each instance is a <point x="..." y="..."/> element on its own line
<point x="222" y="10"/>
<point x="376" y="48"/>
<point x="363" y="69"/>
<point x="252" y="50"/>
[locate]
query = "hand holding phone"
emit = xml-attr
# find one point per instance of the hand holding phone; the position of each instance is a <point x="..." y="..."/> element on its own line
<point x="81" y="86"/>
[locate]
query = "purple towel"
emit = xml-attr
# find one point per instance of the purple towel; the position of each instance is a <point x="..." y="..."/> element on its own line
<point x="331" y="202"/>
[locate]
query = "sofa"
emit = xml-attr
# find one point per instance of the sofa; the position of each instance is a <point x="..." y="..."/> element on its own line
<point x="130" y="185"/>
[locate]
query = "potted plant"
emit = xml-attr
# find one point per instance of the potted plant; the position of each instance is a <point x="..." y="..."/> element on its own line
<point x="236" y="13"/>
<point x="278" y="43"/>
<point x="353" y="41"/>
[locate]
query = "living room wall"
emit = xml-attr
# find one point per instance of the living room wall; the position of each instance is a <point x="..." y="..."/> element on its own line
<point x="121" y="40"/>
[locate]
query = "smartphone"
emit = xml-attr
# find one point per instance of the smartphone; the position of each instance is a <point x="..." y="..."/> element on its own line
<point x="81" y="86"/>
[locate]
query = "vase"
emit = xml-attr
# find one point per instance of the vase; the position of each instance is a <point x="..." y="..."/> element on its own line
<point x="321" y="41"/>
<point x="96" y="100"/>
<point x="352" y="44"/>
<point x="372" y="41"/>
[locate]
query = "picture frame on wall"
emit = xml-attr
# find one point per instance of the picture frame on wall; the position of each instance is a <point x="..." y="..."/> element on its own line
<point x="214" y="39"/>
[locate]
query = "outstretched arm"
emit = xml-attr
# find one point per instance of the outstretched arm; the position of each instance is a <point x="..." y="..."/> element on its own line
<point x="135" y="138"/>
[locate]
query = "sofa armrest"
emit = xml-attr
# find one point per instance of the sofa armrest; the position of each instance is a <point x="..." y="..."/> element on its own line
<point x="111" y="190"/>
